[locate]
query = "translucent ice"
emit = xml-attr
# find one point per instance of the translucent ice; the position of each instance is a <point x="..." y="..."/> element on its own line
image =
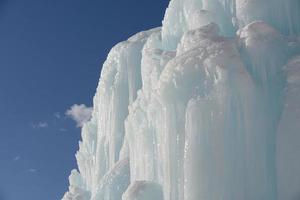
<point x="143" y="190"/>
<point x="204" y="108"/>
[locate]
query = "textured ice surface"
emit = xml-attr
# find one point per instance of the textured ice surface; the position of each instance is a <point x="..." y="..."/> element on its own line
<point x="76" y="191"/>
<point x="204" y="108"/>
<point x="288" y="144"/>
<point x="143" y="190"/>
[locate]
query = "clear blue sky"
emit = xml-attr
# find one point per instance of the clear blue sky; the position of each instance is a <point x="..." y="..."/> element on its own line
<point x="51" y="52"/>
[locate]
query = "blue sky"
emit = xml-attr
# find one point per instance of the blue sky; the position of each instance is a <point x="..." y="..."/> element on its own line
<point x="50" y="58"/>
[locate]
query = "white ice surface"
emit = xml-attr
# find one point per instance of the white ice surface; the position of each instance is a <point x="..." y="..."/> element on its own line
<point x="204" y="108"/>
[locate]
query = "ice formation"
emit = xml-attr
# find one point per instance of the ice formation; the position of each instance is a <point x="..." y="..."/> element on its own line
<point x="204" y="108"/>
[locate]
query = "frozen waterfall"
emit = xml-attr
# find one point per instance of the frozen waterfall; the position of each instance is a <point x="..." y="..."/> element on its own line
<point x="207" y="107"/>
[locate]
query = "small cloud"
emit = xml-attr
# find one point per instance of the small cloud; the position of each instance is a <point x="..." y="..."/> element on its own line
<point x="32" y="170"/>
<point x="15" y="159"/>
<point x="39" y="125"/>
<point x="63" y="130"/>
<point x="57" y="115"/>
<point x="80" y="114"/>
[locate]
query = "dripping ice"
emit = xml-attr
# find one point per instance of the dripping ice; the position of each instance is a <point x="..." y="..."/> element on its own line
<point x="205" y="107"/>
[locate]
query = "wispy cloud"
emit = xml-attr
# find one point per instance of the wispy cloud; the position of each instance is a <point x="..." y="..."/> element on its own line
<point x="57" y="115"/>
<point x="16" y="158"/>
<point x="63" y="130"/>
<point x="79" y="113"/>
<point x="32" y="170"/>
<point x="39" y="125"/>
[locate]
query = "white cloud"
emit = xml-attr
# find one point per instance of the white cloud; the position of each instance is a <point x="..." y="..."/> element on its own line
<point x="80" y="114"/>
<point x="32" y="170"/>
<point x="16" y="158"/>
<point x="63" y="130"/>
<point x="57" y="115"/>
<point x="39" y="125"/>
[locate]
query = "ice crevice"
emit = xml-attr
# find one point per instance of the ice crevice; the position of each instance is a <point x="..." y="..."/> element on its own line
<point x="204" y="108"/>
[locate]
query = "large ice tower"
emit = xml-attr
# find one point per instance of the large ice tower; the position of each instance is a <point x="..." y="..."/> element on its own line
<point x="207" y="107"/>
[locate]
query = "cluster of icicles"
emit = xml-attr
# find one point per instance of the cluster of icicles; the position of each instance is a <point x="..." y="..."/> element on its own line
<point x="207" y="107"/>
